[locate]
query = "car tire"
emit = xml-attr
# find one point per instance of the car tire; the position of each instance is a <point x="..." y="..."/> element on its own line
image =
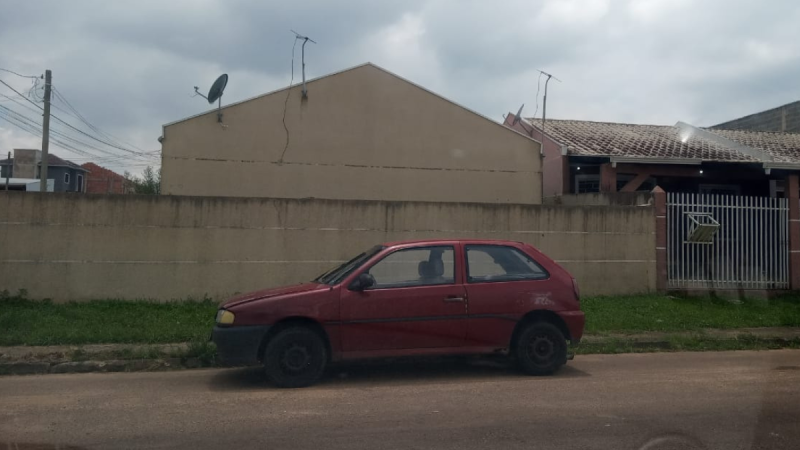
<point x="295" y="357"/>
<point x="541" y="349"/>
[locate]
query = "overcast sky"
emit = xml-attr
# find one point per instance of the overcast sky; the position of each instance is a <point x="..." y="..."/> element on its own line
<point x="129" y="67"/>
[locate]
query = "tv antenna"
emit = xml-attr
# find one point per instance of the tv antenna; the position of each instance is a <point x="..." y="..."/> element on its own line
<point x="544" y="102"/>
<point x="215" y="93"/>
<point x="305" y="40"/>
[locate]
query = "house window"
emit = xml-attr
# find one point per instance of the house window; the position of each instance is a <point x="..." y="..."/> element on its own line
<point x="720" y="189"/>
<point x="66" y="178"/>
<point x="585" y="184"/>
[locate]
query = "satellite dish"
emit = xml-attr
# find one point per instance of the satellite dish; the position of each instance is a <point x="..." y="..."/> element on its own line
<point x="217" y="88"/>
<point x="518" y="115"/>
<point x="215" y="94"/>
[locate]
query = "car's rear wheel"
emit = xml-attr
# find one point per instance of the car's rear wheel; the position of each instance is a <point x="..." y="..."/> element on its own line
<point x="541" y="349"/>
<point x="295" y="357"/>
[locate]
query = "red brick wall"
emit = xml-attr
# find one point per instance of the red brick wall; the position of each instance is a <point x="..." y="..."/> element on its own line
<point x="100" y="180"/>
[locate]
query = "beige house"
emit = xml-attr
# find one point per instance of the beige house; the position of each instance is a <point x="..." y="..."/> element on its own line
<point x="361" y="134"/>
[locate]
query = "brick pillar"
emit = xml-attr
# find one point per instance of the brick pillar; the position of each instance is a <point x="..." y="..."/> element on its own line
<point x="660" y="201"/>
<point x="608" y="178"/>
<point x="793" y="193"/>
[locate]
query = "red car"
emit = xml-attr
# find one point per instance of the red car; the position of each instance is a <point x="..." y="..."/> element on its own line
<point x="435" y="297"/>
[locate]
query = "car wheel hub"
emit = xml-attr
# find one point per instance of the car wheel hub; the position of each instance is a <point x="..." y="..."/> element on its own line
<point x="295" y="358"/>
<point x="541" y="349"/>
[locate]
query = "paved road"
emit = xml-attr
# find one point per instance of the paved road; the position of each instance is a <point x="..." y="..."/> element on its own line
<point x="727" y="400"/>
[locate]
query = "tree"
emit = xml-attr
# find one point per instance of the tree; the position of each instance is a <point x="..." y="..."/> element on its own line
<point x="149" y="183"/>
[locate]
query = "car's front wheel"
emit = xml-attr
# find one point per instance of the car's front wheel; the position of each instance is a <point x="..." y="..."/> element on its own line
<point x="295" y="357"/>
<point x="541" y="349"/>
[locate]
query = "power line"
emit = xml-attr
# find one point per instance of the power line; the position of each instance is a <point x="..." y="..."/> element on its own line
<point x="83" y="119"/>
<point x="66" y="141"/>
<point x="20" y="104"/>
<point x="17" y="92"/>
<point x="25" y="126"/>
<point x="144" y="154"/>
<point x="61" y="138"/>
<point x="69" y="125"/>
<point x="65" y="135"/>
<point x="15" y="73"/>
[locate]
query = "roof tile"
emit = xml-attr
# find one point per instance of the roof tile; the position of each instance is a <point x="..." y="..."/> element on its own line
<point x="586" y="138"/>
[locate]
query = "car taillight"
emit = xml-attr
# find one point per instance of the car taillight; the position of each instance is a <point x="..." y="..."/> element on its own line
<point x="576" y="290"/>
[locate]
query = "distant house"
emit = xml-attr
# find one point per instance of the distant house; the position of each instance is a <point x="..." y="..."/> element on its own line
<point x="100" y="180"/>
<point x="784" y="118"/>
<point x="26" y="164"/>
<point x="583" y="157"/>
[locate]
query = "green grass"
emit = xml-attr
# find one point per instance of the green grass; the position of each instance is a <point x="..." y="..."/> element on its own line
<point x="27" y="322"/>
<point x="633" y="314"/>
<point x="687" y="344"/>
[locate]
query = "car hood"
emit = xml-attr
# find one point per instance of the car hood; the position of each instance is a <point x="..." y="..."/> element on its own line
<point x="272" y="292"/>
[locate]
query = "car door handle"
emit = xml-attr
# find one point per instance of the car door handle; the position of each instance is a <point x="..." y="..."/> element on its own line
<point x="453" y="299"/>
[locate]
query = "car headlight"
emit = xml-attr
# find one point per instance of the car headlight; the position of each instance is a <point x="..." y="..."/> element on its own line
<point x="224" y="317"/>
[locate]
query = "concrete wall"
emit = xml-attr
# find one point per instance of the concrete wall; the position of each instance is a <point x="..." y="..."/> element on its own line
<point x="362" y="134"/>
<point x="784" y="118"/>
<point x="602" y="199"/>
<point x="69" y="247"/>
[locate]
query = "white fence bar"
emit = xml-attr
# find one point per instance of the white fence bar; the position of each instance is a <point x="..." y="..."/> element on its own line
<point x="750" y="250"/>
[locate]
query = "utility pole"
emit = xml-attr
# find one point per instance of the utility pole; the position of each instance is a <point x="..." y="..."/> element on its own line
<point x="544" y="106"/>
<point x="45" y="130"/>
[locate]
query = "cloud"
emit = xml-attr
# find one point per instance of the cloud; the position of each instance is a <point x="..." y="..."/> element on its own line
<point x="130" y="67"/>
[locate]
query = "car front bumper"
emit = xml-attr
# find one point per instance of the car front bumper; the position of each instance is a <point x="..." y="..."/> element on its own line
<point x="239" y="345"/>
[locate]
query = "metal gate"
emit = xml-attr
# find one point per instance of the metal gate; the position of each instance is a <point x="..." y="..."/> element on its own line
<point x="727" y="242"/>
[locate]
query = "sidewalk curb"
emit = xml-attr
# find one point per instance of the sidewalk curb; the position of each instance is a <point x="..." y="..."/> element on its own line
<point x="138" y="365"/>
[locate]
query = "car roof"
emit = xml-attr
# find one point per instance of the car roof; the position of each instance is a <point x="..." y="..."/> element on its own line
<point x="449" y="241"/>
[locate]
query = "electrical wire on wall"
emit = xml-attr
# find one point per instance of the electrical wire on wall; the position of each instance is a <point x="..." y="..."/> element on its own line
<point x="285" y="105"/>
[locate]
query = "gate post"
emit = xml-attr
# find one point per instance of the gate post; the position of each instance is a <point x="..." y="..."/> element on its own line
<point x="793" y="194"/>
<point x="660" y="201"/>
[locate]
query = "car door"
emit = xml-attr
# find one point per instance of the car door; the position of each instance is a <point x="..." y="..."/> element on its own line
<point x="501" y="281"/>
<point x="418" y="301"/>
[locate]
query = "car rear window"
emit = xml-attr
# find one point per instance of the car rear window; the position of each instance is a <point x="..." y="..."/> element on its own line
<point x="488" y="263"/>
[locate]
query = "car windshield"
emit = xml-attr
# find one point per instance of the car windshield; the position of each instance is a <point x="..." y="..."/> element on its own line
<point x="338" y="273"/>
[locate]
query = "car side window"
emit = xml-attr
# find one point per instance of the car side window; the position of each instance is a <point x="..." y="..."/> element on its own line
<point x="487" y="263"/>
<point x="419" y="266"/>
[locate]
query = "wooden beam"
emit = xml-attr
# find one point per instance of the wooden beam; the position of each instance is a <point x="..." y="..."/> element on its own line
<point x="633" y="184"/>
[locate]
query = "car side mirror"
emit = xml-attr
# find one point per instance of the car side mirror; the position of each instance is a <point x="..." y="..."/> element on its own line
<point x="364" y="281"/>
